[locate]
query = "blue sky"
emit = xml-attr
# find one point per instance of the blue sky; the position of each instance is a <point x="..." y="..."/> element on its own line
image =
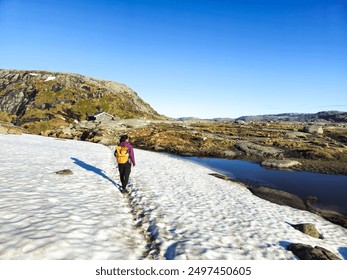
<point x="201" y="58"/>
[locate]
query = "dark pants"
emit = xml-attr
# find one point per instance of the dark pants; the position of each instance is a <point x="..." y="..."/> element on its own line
<point x="124" y="173"/>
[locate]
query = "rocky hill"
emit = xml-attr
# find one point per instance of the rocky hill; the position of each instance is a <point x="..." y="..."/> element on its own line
<point x="41" y="100"/>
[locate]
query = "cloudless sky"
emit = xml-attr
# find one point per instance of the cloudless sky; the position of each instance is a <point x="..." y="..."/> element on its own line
<point x="201" y="58"/>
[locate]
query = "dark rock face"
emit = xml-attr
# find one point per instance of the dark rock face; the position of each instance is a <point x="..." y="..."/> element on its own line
<point x="307" y="252"/>
<point x="16" y="102"/>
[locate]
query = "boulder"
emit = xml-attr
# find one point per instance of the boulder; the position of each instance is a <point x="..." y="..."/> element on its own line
<point x="308" y="229"/>
<point x="279" y="197"/>
<point x="332" y="216"/>
<point x="280" y="163"/>
<point x="9" y="128"/>
<point x="3" y="130"/>
<point x="307" y="252"/>
<point x="229" y="154"/>
<point x="64" y="172"/>
<point x="314" y="129"/>
<point x="66" y="130"/>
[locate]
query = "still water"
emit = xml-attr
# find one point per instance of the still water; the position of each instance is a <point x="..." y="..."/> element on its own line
<point x="330" y="190"/>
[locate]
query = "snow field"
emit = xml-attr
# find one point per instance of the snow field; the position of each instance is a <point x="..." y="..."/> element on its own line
<point x="189" y="213"/>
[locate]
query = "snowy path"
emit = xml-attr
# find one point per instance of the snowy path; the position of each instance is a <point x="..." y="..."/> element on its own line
<point x="48" y="216"/>
<point x="190" y="214"/>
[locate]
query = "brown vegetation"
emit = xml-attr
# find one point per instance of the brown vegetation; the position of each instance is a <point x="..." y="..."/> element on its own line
<point x="324" y="153"/>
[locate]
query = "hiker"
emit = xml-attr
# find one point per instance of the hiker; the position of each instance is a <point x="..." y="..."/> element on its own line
<point x="125" y="158"/>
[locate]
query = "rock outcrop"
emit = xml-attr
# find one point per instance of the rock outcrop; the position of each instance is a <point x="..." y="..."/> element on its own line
<point x="314" y="129"/>
<point x="253" y="149"/>
<point x="9" y="128"/>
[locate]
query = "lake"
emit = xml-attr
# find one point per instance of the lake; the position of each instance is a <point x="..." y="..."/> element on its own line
<point x="330" y="190"/>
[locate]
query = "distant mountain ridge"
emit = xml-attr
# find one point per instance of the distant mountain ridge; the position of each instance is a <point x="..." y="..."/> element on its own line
<point x="42" y="100"/>
<point x="324" y="116"/>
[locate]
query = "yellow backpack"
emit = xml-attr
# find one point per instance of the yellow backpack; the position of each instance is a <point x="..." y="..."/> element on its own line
<point x="121" y="154"/>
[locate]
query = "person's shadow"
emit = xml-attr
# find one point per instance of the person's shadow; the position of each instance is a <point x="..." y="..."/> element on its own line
<point x="94" y="169"/>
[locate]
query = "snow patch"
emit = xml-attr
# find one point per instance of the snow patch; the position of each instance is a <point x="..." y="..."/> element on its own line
<point x="50" y="78"/>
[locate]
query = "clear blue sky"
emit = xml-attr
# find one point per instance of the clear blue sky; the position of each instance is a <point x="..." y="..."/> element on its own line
<point x="202" y="58"/>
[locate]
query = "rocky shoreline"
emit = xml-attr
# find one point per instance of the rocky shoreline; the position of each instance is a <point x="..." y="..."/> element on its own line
<point x="288" y="199"/>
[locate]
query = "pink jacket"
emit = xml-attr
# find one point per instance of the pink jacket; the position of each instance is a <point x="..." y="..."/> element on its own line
<point x="130" y="151"/>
